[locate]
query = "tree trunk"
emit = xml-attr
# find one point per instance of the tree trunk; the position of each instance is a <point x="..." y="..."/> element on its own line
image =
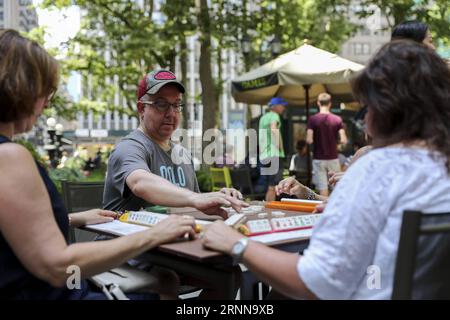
<point x="183" y="63"/>
<point x="209" y="96"/>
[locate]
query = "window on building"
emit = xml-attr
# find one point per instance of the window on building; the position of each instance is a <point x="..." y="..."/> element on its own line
<point x="357" y="48"/>
<point x="364" y="31"/>
<point x="361" y="49"/>
<point x="366" y="48"/>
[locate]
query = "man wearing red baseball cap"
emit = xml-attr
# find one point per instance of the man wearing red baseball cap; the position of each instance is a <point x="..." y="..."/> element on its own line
<point x="147" y="168"/>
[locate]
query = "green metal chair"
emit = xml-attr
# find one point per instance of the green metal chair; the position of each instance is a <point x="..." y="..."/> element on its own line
<point x="220" y="178"/>
<point x="82" y="196"/>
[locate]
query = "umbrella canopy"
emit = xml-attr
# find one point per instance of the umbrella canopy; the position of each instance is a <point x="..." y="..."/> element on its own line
<point x="286" y="75"/>
<point x="298" y="76"/>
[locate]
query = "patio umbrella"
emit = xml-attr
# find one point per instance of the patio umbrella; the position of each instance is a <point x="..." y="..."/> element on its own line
<point x="289" y="74"/>
<point x="298" y="76"/>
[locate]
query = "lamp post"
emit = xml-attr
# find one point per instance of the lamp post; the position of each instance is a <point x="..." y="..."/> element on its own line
<point x="58" y="141"/>
<point x="51" y="147"/>
<point x="246" y="46"/>
<point x="51" y="122"/>
<point x="246" y="49"/>
<point x="275" y="45"/>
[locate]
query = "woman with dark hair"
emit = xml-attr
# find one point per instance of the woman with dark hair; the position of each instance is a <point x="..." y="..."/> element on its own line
<point x="35" y="259"/>
<point x="357" y="238"/>
<point x="413" y="30"/>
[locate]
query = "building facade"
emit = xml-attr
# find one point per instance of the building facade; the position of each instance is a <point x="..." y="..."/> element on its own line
<point x="374" y="32"/>
<point x="18" y="15"/>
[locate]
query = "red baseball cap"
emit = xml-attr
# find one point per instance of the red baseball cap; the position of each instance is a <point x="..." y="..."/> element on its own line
<point x="155" y="80"/>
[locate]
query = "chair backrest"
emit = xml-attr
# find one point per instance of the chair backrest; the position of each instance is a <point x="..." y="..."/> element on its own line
<point x="220" y="178"/>
<point x="242" y="180"/>
<point x="81" y="196"/>
<point x="414" y="250"/>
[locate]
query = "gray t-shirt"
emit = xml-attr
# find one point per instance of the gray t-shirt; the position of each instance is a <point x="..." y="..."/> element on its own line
<point x="137" y="151"/>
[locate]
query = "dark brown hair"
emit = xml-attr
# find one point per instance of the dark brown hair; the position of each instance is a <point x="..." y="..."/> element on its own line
<point x="413" y="30"/>
<point x="406" y="87"/>
<point x="301" y="144"/>
<point x="27" y="73"/>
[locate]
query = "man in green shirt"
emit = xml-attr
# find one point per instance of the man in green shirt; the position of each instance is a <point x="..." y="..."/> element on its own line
<point x="271" y="152"/>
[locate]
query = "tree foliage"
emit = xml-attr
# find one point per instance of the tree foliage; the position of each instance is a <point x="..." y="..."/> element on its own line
<point x="436" y="13"/>
<point x="120" y="40"/>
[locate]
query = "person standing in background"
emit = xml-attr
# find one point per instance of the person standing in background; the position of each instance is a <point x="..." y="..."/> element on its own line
<point x="323" y="131"/>
<point x="271" y="151"/>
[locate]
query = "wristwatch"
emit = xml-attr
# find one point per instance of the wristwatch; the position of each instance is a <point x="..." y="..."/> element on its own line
<point x="238" y="250"/>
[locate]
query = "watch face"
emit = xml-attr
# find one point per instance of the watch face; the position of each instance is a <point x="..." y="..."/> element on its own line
<point x="237" y="248"/>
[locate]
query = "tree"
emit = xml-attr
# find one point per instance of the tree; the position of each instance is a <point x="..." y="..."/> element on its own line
<point x="118" y="43"/>
<point x="209" y="96"/>
<point x="121" y="40"/>
<point x="436" y="13"/>
<point x="324" y="22"/>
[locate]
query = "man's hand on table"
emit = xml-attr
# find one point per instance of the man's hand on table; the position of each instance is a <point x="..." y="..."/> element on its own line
<point x="211" y="203"/>
<point x="232" y="192"/>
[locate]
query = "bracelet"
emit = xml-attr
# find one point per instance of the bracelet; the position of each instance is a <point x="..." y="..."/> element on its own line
<point x="310" y="195"/>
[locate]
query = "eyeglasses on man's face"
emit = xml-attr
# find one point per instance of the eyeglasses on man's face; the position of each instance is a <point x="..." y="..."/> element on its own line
<point x="164" y="105"/>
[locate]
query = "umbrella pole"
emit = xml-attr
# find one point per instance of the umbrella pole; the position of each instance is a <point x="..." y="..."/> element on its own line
<point x="308" y="156"/>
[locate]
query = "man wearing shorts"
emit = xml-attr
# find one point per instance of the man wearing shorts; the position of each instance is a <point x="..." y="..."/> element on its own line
<point x="323" y="131"/>
<point x="271" y="152"/>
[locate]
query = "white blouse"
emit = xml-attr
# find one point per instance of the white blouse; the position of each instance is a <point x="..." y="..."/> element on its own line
<point x="353" y="249"/>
